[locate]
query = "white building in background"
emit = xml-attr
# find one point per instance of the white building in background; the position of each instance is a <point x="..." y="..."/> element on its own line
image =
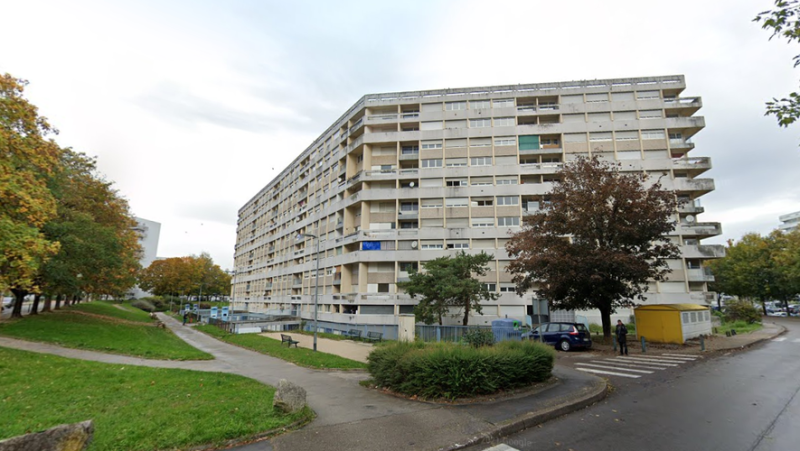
<point x="789" y="222"/>
<point x="403" y="178"/>
<point x="149" y="232"/>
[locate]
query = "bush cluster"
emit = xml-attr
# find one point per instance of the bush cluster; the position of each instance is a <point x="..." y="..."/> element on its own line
<point x="741" y="311"/>
<point x="144" y="304"/>
<point x="448" y="370"/>
<point x="478" y="337"/>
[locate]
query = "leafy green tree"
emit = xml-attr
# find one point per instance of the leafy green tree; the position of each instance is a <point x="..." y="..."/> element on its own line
<point x="185" y="276"/>
<point x="600" y="243"/>
<point x="27" y="159"/>
<point x="447" y="283"/>
<point x="759" y="268"/>
<point x="783" y="22"/>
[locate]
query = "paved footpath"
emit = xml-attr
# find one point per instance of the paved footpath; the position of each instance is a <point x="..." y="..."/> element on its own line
<point x="350" y="416"/>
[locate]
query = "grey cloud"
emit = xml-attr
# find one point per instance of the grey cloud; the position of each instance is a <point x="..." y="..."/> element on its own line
<point x="220" y="211"/>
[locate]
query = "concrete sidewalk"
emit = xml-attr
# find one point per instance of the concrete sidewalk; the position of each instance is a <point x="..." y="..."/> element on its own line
<point x="350" y="416"/>
<point x="349" y="349"/>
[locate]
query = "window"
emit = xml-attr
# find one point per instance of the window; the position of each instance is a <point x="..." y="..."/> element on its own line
<point x="408" y="266"/>
<point x="427" y="145"/>
<point x="360" y="158"/>
<point x="630" y="135"/>
<point x="478" y="104"/>
<point x="410" y="150"/>
<point x="482" y="222"/>
<point x="529" y="142"/>
<point x="457" y="223"/>
<point x="596" y="98"/>
<point x="482" y="202"/>
<point x="480" y="181"/>
<point x="481" y="161"/>
<point x="503" y="121"/>
<point x="434" y="125"/>
<point x="455" y="124"/>
<point x="653" y="134"/>
<point x="431" y="245"/>
<point x="456" y="162"/>
<point x="650" y="114"/>
<point x="507" y="200"/>
<point x="477" y="123"/>
<point x="507" y="181"/>
<point x="502" y="103"/>
<point x="507" y="289"/>
<point x="409" y="206"/>
<point x="675" y="136"/>
<point x="480" y="142"/>
<point x="458" y="244"/>
<point x="456" y="202"/>
<point x="409" y="225"/>
<point x="432" y="163"/>
<point x="431" y="107"/>
<point x="505" y="161"/>
<point x="455" y="182"/>
<point x="505" y="141"/>
<point x="600" y="136"/>
<point x="509" y="221"/>
<point x="549" y="141"/>
<point x="642" y="95"/>
<point x="432" y="203"/>
<point x="489" y="286"/>
<point x="453" y="106"/>
<point x="455" y="143"/>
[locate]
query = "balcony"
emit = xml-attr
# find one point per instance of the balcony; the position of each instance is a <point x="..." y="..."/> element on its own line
<point x="377" y="118"/>
<point x="692" y="104"/>
<point x="691" y="207"/>
<point x="699" y="275"/>
<point x="703" y="186"/>
<point x="701" y="229"/>
<point x="541" y="151"/>
<point x="701" y="164"/>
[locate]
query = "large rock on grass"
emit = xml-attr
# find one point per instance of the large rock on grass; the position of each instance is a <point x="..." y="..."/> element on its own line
<point x="289" y="397"/>
<point x="64" y="437"/>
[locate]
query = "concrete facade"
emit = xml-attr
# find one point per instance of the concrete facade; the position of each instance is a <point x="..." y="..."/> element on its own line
<point x="789" y="222"/>
<point x="402" y="178"/>
<point x="149" y="232"/>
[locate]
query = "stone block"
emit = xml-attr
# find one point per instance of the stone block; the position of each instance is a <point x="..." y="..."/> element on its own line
<point x="289" y="397"/>
<point x="64" y="437"/>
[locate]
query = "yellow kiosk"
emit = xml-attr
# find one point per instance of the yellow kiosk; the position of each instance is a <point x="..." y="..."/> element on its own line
<point x="672" y="323"/>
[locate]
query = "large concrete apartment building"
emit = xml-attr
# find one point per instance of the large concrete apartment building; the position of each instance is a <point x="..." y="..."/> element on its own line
<point x="402" y="178"/>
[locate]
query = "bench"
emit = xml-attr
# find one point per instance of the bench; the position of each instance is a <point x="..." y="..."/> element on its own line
<point x="354" y="333"/>
<point x="288" y="340"/>
<point x="374" y="336"/>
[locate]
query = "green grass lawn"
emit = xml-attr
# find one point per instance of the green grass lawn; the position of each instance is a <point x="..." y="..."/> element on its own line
<point x="133" y="408"/>
<point x="741" y="327"/>
<point x="300" y="356"/>
<point x="92" y="333"/>
<point x="121" y="311"/>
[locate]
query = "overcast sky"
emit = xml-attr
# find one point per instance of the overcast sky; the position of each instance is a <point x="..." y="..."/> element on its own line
<point x="193" y="106"/>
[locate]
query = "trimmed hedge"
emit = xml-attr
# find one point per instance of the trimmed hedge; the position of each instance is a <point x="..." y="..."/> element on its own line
<point x="451" y="371"/>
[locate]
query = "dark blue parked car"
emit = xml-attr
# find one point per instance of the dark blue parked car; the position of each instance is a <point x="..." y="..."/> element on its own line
<point x="563" y="336"/>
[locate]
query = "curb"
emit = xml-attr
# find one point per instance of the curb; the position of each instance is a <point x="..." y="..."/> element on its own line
<point x="597" y="392"/>
<point x="781" y="331"/>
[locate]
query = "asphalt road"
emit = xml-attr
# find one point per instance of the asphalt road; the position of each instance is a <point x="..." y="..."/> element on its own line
<point x="742" y="400"/>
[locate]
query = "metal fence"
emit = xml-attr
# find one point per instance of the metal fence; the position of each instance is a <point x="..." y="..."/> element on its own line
<point x="389" y="331"/>
<point x="436" y="333"/>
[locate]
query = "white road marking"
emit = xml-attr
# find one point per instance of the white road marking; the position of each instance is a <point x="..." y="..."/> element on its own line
<point x="589" y="370"/>
<point x="672" y="359"/>
<point x="650" y="361"/>
<point x="615" y="368"/>
<point x="630" y="364"/>
<point x="779" y="339"/>
<point x="683" y="356"/>
<point x="501" y="447"/>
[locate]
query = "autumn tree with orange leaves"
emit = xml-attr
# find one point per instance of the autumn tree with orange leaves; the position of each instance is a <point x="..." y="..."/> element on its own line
<point x="185" y="276"/>
<point x="600" y="242"/>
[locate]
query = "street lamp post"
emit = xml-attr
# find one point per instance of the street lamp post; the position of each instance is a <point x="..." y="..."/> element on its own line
<point x="316" y="286"/>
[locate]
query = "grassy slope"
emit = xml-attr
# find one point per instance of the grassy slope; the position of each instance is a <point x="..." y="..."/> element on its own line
<point x="301" y="356"/>
<point x="134" y="408"/>
<point x="120" y="311"/>
<point x="85" y="332"/>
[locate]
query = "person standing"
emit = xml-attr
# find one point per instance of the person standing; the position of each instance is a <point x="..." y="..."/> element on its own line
<point x="622" y="337"/>
<point x="185" y="316"/>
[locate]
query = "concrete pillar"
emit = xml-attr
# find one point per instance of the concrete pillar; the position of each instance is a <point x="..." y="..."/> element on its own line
<point x="405" y="327"/>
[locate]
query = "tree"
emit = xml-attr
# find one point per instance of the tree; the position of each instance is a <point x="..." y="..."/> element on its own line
<point x="27" y="159"/>
<point x="600" y="242"/>
<point x="449" y="282"/>
<point x="760" y="268"/>
<point x="784" y="22"/>
<point x="185" y="276"/>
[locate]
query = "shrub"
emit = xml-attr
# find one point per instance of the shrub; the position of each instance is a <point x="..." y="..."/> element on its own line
<point x="143" y="304"/>
<point x="478" y="337"/>
<point x="741" y="311"/>
<point x="595" y="328"/>
<point x="448" y="370"/>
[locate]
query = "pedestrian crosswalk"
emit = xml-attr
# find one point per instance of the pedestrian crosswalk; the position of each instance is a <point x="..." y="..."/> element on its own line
<point x="634" y="367"/>
<point x="786" y="339"/>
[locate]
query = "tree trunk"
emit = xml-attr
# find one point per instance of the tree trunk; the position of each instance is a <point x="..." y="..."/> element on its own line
<point x="48" y="303"/>
<point x="35" y="308"/>
<point x="19" y="297"/>
<point x="58" y="302"/>
<point x="605" y="315"/>
<point x="466" y="314"/>
<point x="764" y="306"/>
